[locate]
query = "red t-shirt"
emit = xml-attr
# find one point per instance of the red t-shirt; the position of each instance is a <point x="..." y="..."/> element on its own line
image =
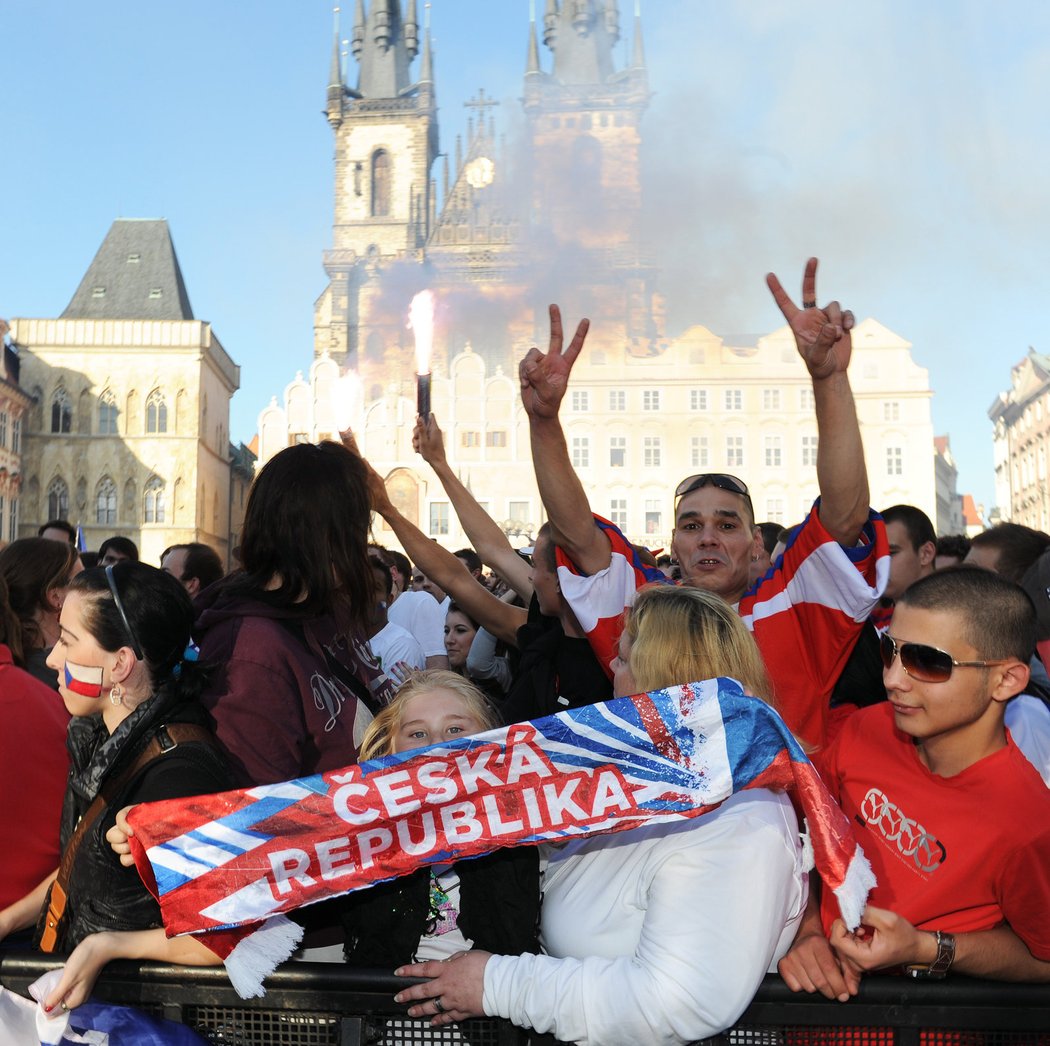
<point x="955" y="853"/>
<point x="33" y="770"/>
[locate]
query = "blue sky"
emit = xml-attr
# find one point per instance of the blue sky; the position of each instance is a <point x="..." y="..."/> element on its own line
<point x="904" y="144"/>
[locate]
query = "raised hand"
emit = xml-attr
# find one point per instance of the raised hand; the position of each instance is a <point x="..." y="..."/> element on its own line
<point x="427" y="440"/>
<point x="822" y="335"/>
<point x="544" y="377"/>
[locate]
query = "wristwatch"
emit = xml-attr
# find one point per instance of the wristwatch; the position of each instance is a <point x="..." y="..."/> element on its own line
<point x="938" y="969"/>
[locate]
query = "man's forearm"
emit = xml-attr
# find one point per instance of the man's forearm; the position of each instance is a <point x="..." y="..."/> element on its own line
<point x="564" y="497"/>
<point x="841" y="472"/>
<point x="999" y="955"/>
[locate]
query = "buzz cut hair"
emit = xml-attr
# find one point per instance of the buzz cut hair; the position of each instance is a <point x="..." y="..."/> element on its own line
<point x="999" y="618"/>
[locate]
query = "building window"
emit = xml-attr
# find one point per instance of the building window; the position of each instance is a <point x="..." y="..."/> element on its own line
<point x="156" y="413"/>
<point x="16" y="435"/>
<point x="12" y="529"/>
<point x="698" y="399"/>
<point x="470" y="439"/>
<point x="519" y="511"/>
<point x="106" y="502"/>
<point x="775" y="510"/>
<point x="3" y="440"/>
<point x="581" y="400"/>
<point x="57" y="499"/>
<point x="805" y="400"/>
<point x="891" y="410"/>
<point x="699" y="452"/>
<point x="381" y="186"/>
<point x="107" y="414"/>
<point x="773" y="455"/>
<point x="733" y="399"/>
<point x="618" y="512"/>
<point x="734" y="452"/>
<point x="496" y="439"/>
<point x="617" y="399"/>
<point x="651" y="399"/>
<point x="651" y="452"/>
<point x="439" y="517"/>
<point x="809" y="451"/>
<point x="581" y="452"/>
<point x="894" y="461"/>
<point x="653" y="517"/>
<point x="771" y="399"/>
<point x="155" y="508"/>
<point x="617" y="452"/>
<point x="61" y="411"/>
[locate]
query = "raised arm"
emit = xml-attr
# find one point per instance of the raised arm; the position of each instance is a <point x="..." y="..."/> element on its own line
<point x="501" y="619"/>
<point x="487" y="539"/>
<point x="825" y="345"/>
<point x="544" y="378"/>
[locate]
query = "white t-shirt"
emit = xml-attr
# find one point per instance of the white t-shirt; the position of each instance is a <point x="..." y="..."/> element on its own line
<point x="392" y="644"/>
<point x="420" y="614"/>
<point x="660" y="934"/>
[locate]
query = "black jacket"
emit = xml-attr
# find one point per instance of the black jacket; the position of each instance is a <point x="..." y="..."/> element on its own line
<point x="102" y="893"/>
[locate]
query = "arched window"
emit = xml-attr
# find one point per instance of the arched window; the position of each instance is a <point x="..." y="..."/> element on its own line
<point x="58" y="499"/>
<point x="106" y="502"/>
<point x="107" y="414"/>
<point x="380" y="183"/>
<point x="156" y="413"/>
<point x="61" y="411"/>
<point x="155" y="509"/>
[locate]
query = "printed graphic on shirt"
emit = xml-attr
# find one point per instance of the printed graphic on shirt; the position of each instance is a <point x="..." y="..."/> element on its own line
<point x="908" y="836"/>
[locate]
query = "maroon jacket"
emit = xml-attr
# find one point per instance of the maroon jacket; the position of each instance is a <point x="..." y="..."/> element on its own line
<point x="290" y="694"/>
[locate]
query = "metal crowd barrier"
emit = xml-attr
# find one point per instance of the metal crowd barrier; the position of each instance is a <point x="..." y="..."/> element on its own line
<point x="328" y="1004"/>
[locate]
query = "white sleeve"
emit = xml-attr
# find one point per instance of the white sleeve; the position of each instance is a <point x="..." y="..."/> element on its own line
<point x="482" y="662"/>
<point x="720" y="914"/>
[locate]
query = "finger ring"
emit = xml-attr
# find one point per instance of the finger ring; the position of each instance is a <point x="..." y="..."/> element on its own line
<point x="809" y="305"/>
<point x="62" y="1006"/>
<point x="437" y="1003"/>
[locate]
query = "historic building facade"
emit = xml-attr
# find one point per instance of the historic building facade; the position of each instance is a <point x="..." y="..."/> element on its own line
<point x="1021" y="440"/>
<point x="555" y="215"/>
<point x="14" y="405"/>
<point x="129" y="428"/>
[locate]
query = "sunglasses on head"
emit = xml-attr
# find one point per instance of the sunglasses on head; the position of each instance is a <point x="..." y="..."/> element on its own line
<point x="927" y="664"/>
<point x="722" y="480"/>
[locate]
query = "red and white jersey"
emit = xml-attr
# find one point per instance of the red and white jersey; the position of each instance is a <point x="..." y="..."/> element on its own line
<point x="805" y="613"/>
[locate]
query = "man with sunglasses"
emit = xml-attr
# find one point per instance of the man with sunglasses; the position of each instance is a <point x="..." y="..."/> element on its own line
<point x="953" y="818"/>
<point x="806" y="613"/>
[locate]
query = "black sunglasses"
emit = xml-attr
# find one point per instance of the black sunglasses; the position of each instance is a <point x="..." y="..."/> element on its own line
<point x="927" y="664"/>
<point x="123" y="615"/>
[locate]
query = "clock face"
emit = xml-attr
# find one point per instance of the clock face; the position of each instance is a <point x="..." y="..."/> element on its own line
<point x="480" y="172"/>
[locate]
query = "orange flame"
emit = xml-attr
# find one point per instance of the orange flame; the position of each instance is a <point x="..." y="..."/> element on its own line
<point x="421" y="322"/>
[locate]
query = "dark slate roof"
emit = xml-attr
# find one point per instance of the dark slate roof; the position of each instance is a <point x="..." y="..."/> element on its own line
<point x="134" y="276"/>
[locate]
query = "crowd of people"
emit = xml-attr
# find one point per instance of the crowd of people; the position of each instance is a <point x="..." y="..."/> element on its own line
<point x="911" y="668"/>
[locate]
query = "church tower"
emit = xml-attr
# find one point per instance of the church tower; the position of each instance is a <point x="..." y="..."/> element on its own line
<point x="584" y="127"/>
<point x="386" y="140"/>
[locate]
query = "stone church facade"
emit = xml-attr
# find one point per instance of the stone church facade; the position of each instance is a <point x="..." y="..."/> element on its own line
<point x="553" y="215"/>
<point x="128" y="432"/>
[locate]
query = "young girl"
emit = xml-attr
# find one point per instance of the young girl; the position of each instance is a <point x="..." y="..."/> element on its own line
<point x="487" y="902"/>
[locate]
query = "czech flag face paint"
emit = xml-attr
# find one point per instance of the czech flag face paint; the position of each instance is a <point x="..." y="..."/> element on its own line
<point x="85" y="680"/>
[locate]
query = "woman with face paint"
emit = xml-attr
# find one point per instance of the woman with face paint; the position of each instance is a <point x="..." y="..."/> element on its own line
<point x="128" y="676"/>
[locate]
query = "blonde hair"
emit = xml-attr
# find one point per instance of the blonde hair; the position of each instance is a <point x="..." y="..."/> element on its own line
<point x="379" y="735"/>
<point x="680" y="634"/>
